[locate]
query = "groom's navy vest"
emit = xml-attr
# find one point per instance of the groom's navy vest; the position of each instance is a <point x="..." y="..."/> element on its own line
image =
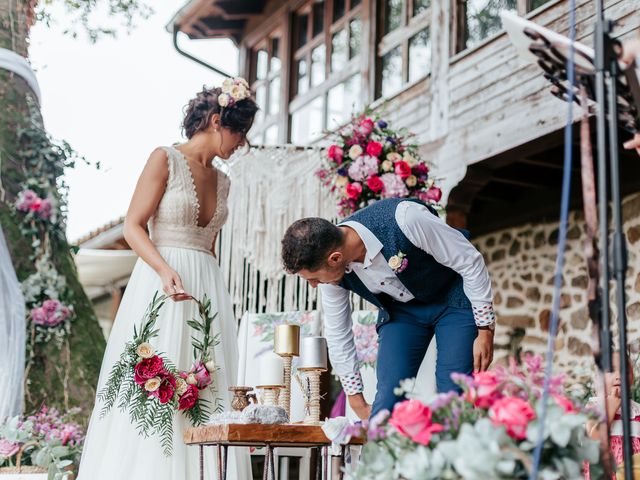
<point x="426" y="279"/>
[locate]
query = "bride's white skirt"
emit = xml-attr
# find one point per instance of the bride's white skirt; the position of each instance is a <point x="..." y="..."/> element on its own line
<point x="113" y="449"/>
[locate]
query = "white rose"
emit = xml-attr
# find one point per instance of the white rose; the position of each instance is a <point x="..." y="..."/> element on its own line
<point x="241" y="81"/>
<point x="181" y="386"/>
<point x="145" y="350"/>
<point x="355" y="151"/>
<point x="152" y="384"/>
<point x="395" y="262"/>
<point x="394" y="157"/>
<point x="430" y="183"/>
<point x="387" y="165"/>
<point x="211" y="366"/>
<point x="411" y="181"/>
<point x="191" y="379"/>
<point x="410" y="159"/>
<point x="227" y="85"/>
<point x="341" y="181"/>
<point x="223" y="100"/>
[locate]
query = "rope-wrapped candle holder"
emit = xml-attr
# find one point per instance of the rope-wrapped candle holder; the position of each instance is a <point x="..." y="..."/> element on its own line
<point x="287" y="345"/>
<point x="271" y="376"/>
<point x="313" y="361"/>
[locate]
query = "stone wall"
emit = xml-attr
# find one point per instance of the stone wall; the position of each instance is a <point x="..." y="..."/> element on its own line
<point x="521" y="261"/>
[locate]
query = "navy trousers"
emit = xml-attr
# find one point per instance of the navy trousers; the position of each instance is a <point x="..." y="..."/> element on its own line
<point x="403" y="341"/>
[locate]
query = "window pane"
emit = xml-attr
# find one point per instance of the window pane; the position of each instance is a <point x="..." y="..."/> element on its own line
<point x="261" y="100"/>
<point x="355" y="3"/>
<point x="275" y="54"/>
<point x="420" y="6"/>
<point x="483" y="18"/>
<point x="342" y="101"/>
<point x="318" y="18"/>
<point x="271" y="135"/>
<point x="262" y="64"/>
<point x="392" y="15"/>
<point x="537" y="3"/>
<point x="302" y="27"/>
<point x="318" y="58"/>
<point x="339" y="50"/>
<point x="419" y="55"/>
<point x="339" y="6"/>
<point x="306" y="123"/>
<point x="303" y="76"/>
<point x="391" y="72"/>
<point x="274" y="96"/>
<point x="355" y="40"/>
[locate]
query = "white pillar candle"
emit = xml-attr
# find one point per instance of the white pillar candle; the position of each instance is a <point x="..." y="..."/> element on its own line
<point x="271" y="370"/>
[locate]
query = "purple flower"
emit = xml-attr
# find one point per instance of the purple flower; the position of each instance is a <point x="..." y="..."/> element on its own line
<point x="443" y="399"/>
<point x="342" y="171"/>
<point x="403" y="265"/>
<point x="391" y="140"/>
<point x="382" y="124"/>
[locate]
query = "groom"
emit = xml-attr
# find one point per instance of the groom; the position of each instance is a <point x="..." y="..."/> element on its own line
<point x="425" y="278"/>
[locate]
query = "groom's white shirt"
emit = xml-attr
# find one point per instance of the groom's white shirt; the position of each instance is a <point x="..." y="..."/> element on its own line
<point x="427" y="232"/>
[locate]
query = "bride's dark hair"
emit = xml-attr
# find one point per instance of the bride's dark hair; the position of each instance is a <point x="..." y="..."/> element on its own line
<point x="198" y="112"/>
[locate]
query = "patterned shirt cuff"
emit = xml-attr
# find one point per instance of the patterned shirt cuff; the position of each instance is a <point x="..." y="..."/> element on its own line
<point x="483" y="314"/>
<point x="352" y="383"/>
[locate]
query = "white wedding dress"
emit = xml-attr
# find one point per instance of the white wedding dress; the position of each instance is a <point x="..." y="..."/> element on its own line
<point x="113" y="449"/>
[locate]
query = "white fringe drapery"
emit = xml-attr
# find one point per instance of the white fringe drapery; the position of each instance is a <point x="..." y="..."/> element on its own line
<point x="271" y="187"/>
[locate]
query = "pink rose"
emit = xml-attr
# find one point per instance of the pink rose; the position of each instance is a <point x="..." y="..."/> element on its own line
<point x="45" y="209"/>
<point x="202" y="374"/>
<point x="514" y="413"/>
<point x="374" y="149"/>
<point x="375" y="184"/>
<point x="403" y="170"/>
<point x="189" y="398"/>
<point x="335" y="153"/>
<point x="366" y="127"/>
<point x="50" y="306"/>
<point x="353" y="190"/>
<point x="35" y="204"/>
<point x="565" y="403"/>
<point x="485" y="388"/>
<point x="8" y="449"/>
<point x="38" y="316"/>
<point x="413" y="420"/>
<point x="434" y="194"/>
<point x="166" y="390"/>
<point x="148" y="368"/>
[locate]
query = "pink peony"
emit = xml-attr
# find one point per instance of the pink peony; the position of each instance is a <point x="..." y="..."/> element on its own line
<point x="565" y="403"/>
<point x="353" y="190"/>
<point x="51" y="305"/>
<point x="148" y="368"/>
<point x="403" y="170"/>
<point x="374" y="149"/>
<point x="421" y="169"/>
<point x="375" y="184"/>
<point x="514" y="413"/>
<point x="335" y="153"/>
<point x="8" y="449"/>
<point x="434" y="194"/>
<point x="413" y="420"/>
<point x="39" y="316"/>
<point x="202" y="375"/>
<point x="394" y="187"/>
<point x="45" y="209"/>
<point x="366" y="126"/>
<point x="189" y="398"/>
<point x="167" y="389"/>
<point x="485" y="391"/>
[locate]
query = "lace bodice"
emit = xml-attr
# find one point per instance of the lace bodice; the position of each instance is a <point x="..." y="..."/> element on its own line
<point x="175" y="222"/>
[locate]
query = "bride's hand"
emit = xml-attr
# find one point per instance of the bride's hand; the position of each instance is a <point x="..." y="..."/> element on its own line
<point x="172" y="285"/>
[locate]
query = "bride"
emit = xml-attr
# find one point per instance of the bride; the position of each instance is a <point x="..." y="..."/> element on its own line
<point x="181" y="201"/>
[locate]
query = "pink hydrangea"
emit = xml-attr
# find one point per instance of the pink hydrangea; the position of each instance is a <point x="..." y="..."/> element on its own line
<point x="363" y="167"/>
<point x="50" y="314"/>
<point x="394" y="186"/>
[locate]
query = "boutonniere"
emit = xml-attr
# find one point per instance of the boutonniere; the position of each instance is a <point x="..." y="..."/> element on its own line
<point x="398" y="262"/>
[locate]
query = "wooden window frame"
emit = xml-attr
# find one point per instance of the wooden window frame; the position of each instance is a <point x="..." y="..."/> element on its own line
<point x="399" y="37"/>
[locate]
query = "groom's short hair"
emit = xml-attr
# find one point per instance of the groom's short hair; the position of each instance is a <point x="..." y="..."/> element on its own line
<point x="308" y="242"/>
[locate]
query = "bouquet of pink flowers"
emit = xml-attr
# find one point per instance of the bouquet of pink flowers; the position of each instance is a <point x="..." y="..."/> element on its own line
<point x="369" y="161"/>
<point x="488" y="431"/>
<point x="152" y="388"/>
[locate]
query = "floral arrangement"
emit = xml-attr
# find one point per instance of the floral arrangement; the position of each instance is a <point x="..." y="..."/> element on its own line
<point x="152" y="388"/>
<point x="488" y="431"/>
<point x="370" y="161"/>
<point x="233" y="90"/>
<point x="366" y="339"/>
<point x="47" y="439"/>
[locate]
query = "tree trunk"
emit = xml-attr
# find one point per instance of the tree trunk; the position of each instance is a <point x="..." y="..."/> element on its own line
<point x="62" y="377"/>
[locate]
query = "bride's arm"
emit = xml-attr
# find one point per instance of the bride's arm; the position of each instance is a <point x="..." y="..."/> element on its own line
<point x="146" y="197"/>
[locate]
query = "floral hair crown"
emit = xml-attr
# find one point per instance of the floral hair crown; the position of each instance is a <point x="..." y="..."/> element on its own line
<point x="233" y="90"/>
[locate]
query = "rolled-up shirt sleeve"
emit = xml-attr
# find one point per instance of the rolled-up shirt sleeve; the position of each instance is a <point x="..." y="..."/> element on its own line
<point x="450" y="248"/>
<point x="339" y="334"/>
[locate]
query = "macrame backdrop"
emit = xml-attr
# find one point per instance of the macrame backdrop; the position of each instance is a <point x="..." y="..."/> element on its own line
<point x="271" y="187"/>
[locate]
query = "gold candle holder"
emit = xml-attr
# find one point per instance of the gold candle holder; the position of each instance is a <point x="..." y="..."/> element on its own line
<point x="287" y="345"/>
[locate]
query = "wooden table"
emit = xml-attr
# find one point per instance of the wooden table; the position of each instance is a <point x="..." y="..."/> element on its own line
<point x="258" y="435"/>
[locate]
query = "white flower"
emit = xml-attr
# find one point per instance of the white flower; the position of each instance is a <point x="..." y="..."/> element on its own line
<point x="410" y="159"/>
<point x="355" y="151"/>
<point x="341" y="181"/>
<point x="430" y="183"/>
<point x="211" y="366"/>
<point x="238" y="92"/>
<point x="145" y="350"/>
<point x="181" y="386"/>
<point x="395" y="262"/>
<point x="411" y="181"/>
<point x="191" y="379"/>
<point x="387" y="165"/>
<point x="152" y="384"/>
<point x="227" y="85"/>
<point x="394" y="157"/>
<point x="241" y="81"/>
<point x="223" y="99"/>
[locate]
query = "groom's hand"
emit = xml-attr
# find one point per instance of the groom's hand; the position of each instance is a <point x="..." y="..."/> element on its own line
<point x="359" y="405"/>
<point x="482" y="350"/>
